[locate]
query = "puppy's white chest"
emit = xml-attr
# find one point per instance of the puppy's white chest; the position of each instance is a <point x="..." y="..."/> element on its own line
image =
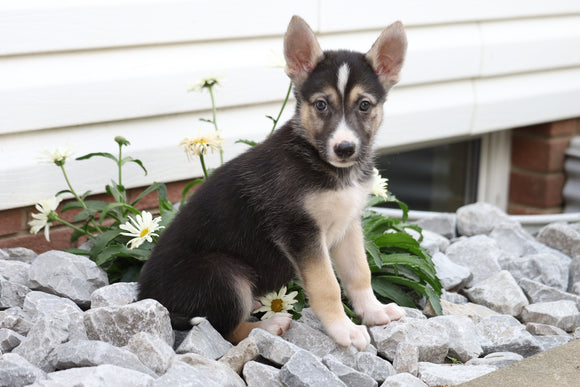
<point x="335" y="210"/>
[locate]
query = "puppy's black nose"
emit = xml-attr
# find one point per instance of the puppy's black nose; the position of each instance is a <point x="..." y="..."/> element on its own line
<point x="345" y="149"/>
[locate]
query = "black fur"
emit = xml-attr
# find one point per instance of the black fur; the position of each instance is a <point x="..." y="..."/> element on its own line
<point x="247" y="221"/>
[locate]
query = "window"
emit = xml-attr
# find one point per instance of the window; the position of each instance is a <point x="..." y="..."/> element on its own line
<point x="437" y="178"/>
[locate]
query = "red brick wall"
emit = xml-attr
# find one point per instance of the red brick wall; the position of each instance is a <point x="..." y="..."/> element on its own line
<point x="537" y="171"/>
<point x="14" y="229"/>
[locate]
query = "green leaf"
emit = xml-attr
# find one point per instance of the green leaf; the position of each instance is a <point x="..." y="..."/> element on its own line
<point x="247" y="142"/>
<point x="117" y="191"/>
<point x="64" y="191"/>
<point x="375" y="253"/>
<point x="187" y="188"/>
<point x="111" y="252"/>
<point x="136" y="161"/>
<point x="434" y="297"/>
<point x="384" y="288"/>
<point x="101" y="242"/>
<point x="98" y="154"/>
<point x="153" y="187"/>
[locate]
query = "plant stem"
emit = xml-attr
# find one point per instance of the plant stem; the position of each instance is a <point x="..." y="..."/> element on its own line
<point x="71" y="188"/>
<point x="74" y="227"/>
<point x="203" y="167"/>
<point x="119" y="163"/>
<point x="282" y="108"/>
<point x="214" y="119"/>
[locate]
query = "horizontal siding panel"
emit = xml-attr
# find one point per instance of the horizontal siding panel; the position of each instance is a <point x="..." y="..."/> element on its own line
<point x="521" y="100"/>
<point x="63" y="25"/>
<point x="343" y="15"/>
<point x="530" y="45"/>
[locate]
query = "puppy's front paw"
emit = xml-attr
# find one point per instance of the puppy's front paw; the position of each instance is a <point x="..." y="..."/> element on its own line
<point x="380" y="314"/>
<point x="345" y="333"/>
<point x="277" y="324"/>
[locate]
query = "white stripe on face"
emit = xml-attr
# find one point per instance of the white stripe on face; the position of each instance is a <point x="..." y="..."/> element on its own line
<point x="343" y="74"/>
<point x="342" y="133"/>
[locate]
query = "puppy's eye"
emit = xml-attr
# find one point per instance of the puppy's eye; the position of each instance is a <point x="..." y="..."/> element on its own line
<point x="364" y="106"/>
<point x="320" y="105"/>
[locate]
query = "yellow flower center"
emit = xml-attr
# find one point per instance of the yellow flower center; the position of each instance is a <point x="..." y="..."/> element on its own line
<point x="276" y="305"/>
<point x="144" y="232"/>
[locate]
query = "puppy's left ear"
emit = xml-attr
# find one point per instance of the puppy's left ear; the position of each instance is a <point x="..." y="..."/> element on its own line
<point x="388" y="53"/>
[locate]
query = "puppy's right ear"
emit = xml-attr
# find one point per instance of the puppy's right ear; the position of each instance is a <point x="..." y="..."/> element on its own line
<point x="301" y="50"/>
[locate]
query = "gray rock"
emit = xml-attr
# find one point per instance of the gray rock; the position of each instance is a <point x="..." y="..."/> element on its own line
<point x="21" y="254"/>
<point x="15" y="271"/>
<point x="14" y="318"/>
<point x="204" y="340"/>
<point x="544" y="268"/>
<point x="497" y="359"/>
<point x="67" y="275"/>
<point x="46" y="334"/>
<point x="452" y="275"/>
<point x="445" y="374"/>
<point x="463" y="342"/>
<point x="479" y="218"/>
<point x="562" y="237"/>
<point x="576" y="288"/>
<point x="552" y="341"/>
<point x="261" y="375"/>
<point x="453" y="297"/>
<point x="39" y="304"/>
<point x="575" y="270"/>
<point x="562" y="314"/>
<point x="273" y="348"/>
<point x="480" y="254"/>
<point x="374" y="366"/>
<point x="403" y="380"/>
<point x="89" y="353"/>
<point x="117" y="324"/>
<point x="182" y="374"/>
<point x="430" y="338"/>
<point x="406" y="359"/>
<point x="318" y="343"/>
<point x="309" y="318"/>
<point x="304" y="369"/>
<point x="538" y="292"/>
<point x="348" y="375"/>
<point x="16" y="371"/>
<point x="499" y="292"/>
<point x="121" y="293"/>
<point x="11" y="294"/>
<point x="413" y="313"/>
<point x="433" y="242"/>
<point x="105" y="375"/>
<point x="505" y="334"/>
<point x="474" y="311"/>
<point x="538" y="329"/>
<point x="444" y="224"/>
<point x="152" y="351"/>
<point x="245" y="351"/>
<point x="9" y="340"/>
<point x="210" y="369"/>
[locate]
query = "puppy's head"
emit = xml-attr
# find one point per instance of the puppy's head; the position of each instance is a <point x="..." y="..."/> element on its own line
<point x="340" y="94"/>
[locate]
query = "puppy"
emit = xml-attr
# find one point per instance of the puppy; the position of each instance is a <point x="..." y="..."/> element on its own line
<point x="290" y="205"/>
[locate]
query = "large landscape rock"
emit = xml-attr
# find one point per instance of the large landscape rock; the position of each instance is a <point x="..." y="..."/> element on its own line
<point x="480" y="254"/>
<point x="479" y="218"/>
<point x="562" y="237"/>
<point x="499" y="292"/>
<point x="450" y="375"/>
<point x="67" y="275"/>
<point x="561" y="314"/>
<point x="505" y="334"/>
<point x="203" y="339"/>
<point x="117" y="324"/>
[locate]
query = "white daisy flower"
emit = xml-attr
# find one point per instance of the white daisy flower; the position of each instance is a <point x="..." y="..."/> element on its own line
<point x="57" y="156"/>
<point x="142" y="228"/>
<point x="200" y="145"/>
<point x="206" y="83"/>
<point x="46" y="210"/>
<point x="379" y="185"/>
<point x="276" y="302"/>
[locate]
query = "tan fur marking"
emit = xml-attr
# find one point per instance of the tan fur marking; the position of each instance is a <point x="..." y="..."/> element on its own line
<point x="323" y="290"/>
<point x="356" y="93"/>
<point x="242" y="331"/>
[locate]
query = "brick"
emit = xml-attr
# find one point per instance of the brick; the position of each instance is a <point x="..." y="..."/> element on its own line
<point x="11" y="221"/>
<point x="536" y="189"/>
<point x="543" y="155"/>
<point x="552" y="129"/>
<point x="59" y="240"/>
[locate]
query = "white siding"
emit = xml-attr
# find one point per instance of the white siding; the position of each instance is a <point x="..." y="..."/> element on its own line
<point x="83" y="72"/>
